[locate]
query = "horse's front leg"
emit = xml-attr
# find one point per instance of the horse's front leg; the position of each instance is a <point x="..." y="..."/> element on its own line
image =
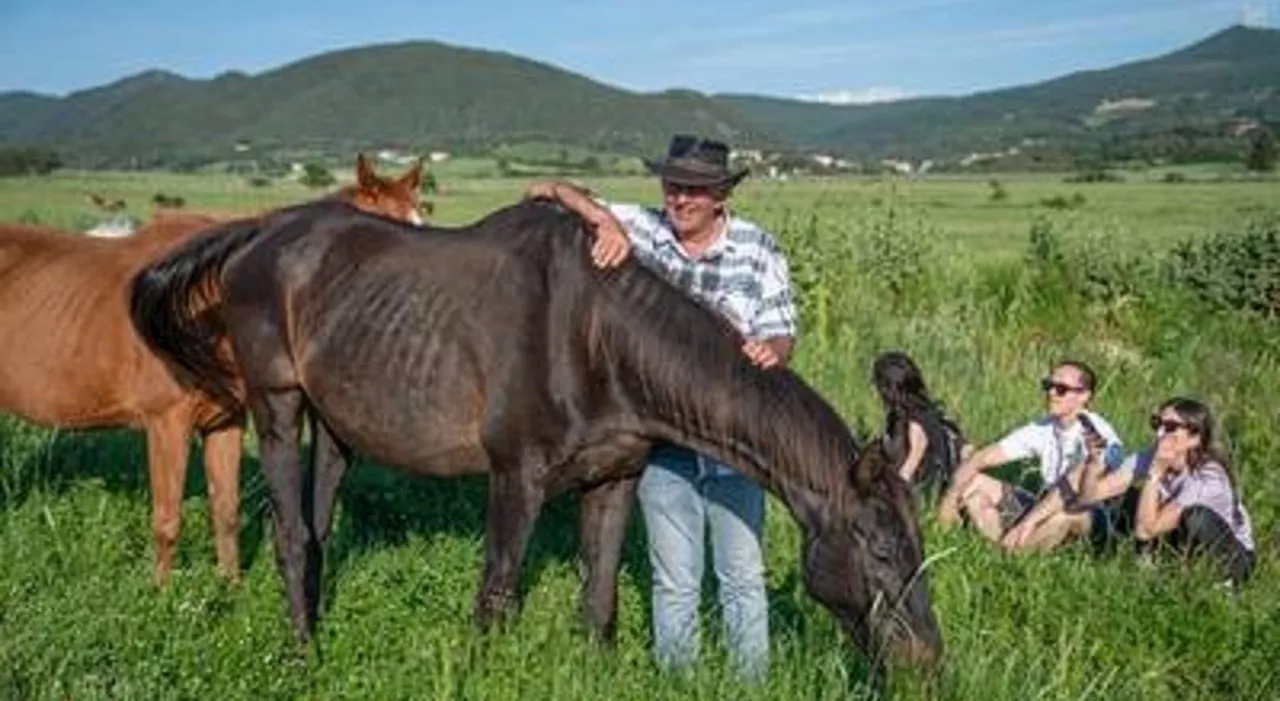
<point x="602" y="528"/>
<point x="514" y="502"/>
<point x="276" y="416"/>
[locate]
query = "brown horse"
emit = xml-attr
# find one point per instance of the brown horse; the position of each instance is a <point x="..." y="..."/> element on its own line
<point x="500" y="349"/>
<point x="70" y="358"/>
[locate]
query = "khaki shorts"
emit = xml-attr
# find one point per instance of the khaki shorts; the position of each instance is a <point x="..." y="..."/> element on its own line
<point x="1014" y="502"/>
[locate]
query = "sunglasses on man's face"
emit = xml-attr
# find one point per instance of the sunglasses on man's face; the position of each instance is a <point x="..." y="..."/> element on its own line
<point x="671" y="189"/>
<point x="1162" y="425"/>
<point x="1061" y="389"/>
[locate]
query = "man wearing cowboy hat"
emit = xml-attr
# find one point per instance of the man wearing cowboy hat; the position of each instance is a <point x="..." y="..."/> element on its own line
<point x="736" y="267"/>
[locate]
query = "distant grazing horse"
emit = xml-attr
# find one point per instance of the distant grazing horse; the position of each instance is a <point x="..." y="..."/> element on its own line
<point x="498" y="348"/>
<point x="105" y="204"/>
<point x="168" y="201"/>
<point x="70" y="358"/>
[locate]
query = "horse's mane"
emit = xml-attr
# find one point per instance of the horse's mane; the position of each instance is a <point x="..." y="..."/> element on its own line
<point x="687" y="360"/>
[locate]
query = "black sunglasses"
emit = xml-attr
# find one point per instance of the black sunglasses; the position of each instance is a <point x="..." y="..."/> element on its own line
<point x="1167" y="426"/>
<point x="1058" y="388"/>
<point x="670" y="188"/>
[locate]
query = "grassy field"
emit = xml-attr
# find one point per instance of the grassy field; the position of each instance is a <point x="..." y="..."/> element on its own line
<point x="935" y="267"/>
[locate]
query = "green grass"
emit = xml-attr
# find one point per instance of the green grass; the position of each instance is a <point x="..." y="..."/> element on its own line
<point x="80" y="619"/>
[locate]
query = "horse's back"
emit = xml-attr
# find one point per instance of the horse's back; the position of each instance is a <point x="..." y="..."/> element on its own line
<point x="398" y="335"/>
<point x="68" y="353"/>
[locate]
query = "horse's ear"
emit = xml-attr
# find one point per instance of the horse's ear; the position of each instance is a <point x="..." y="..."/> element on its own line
<point x="896" y="438"/>
<point x="365" y="177"/>
<point x="412" y="178"/>
<point x="867" y="470"/>
<point x="888" y="452"/>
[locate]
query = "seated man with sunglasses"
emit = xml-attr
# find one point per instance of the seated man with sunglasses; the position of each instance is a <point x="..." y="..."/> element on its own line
<point x="1013" y="516"/>
<point x="732" y="265"/>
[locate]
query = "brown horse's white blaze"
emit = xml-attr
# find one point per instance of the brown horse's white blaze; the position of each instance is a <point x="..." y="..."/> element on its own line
<point x="70" y="358"/>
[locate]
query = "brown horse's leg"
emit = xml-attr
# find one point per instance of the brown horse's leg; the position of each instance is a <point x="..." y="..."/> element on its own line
<point x="167" y="438"/>
<point x="513" y="508"/>
<point x="222" y="451"/>
<point x="603" y="525"/>
<point x="276" y="417"/>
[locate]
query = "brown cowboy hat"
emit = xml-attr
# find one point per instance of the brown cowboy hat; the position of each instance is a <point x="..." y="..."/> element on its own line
<point x="692" y="160"/>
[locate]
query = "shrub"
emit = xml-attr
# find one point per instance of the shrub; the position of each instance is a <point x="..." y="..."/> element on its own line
<point x="316" y="175"/>
<point x="1233" y="269"/>
<point x="1059" y="202"/>
<point x="1094" y="175"/>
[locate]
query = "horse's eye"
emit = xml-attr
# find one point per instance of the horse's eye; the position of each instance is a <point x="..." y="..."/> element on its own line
<point x="882" y="547"/>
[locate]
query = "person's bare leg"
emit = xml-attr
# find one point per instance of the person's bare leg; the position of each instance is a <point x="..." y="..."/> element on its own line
<point x="981" y="500"/>
<point x="1054" y="531"/>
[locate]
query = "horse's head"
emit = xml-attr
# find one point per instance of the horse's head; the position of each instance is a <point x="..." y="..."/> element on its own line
<point x="865" y="561"/>
<point x="397" y="199"/>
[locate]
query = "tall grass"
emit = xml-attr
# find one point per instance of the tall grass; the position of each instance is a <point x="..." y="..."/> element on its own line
<point x="878" y="267"/>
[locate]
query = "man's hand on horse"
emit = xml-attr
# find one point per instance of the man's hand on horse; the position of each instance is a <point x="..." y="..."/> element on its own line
<point x="612" y="246"/>
<point x="761" y="353"/>
<point x="541" y="191"/>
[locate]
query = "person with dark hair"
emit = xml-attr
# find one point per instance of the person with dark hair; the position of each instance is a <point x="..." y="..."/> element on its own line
<point x="935" y="444"/>
<point x="1186" y="495"/>
<point x="1018" y="518"/>
<point x="737" y="268"/>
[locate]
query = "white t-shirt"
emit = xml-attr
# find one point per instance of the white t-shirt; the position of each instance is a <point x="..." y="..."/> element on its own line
<point x="1060" y="450"/>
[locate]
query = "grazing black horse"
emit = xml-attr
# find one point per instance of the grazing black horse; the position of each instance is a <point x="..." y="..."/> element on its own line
<point x="499" y="348"/>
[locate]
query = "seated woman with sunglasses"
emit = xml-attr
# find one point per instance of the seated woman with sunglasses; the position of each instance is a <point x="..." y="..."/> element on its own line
<point x="1186" y="499"/>
<point x="1042" y="520"/>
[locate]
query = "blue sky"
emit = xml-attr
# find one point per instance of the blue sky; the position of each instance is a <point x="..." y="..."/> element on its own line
<point x="841" y="49"/>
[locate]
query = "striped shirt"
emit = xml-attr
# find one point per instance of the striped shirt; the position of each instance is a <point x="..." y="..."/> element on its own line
<point x="743" y="274"/>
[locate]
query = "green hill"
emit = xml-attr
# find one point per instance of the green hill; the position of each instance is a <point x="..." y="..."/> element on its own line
<point x="413" y="95"/>
<point x="1234" y="74"/>
<point x="427" y="95"/>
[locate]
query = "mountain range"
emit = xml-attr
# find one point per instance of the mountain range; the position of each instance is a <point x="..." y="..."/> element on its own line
<point x="425" y="95"/>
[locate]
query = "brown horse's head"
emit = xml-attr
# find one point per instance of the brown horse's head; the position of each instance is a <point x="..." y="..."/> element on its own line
<point x="397" y="199"/>
<point x="866" y="563"/>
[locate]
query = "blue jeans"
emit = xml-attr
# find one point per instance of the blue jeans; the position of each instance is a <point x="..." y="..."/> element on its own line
<point x="682" y="495"/>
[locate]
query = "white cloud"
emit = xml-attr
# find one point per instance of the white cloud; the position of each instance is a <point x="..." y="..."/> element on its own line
<point x="1254" y="15"/>
<point x="864" y="96"/>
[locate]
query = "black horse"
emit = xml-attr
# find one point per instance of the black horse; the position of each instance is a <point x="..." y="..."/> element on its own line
<point x="499" y="348"/>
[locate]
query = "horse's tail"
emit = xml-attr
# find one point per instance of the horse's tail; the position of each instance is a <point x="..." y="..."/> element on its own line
<point x="175" y="305"/>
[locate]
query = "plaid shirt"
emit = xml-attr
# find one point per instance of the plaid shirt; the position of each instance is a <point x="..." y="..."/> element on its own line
<point x="743" y="274"/>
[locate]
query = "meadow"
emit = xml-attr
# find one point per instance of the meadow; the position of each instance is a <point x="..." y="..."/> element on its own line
<point x="984" y="292"/>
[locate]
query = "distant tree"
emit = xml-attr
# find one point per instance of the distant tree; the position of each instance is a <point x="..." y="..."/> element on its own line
<point x="316" y="175"/>
<point x="1262" y="151"/>
<point x="28" y="161"/>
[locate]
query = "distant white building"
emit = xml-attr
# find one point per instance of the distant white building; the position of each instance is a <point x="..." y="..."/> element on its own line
<point x="118" y="227"/>
<point x="901" y="167"/>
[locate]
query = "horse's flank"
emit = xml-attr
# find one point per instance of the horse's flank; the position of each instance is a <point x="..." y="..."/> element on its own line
<point x="71" y="359"/>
